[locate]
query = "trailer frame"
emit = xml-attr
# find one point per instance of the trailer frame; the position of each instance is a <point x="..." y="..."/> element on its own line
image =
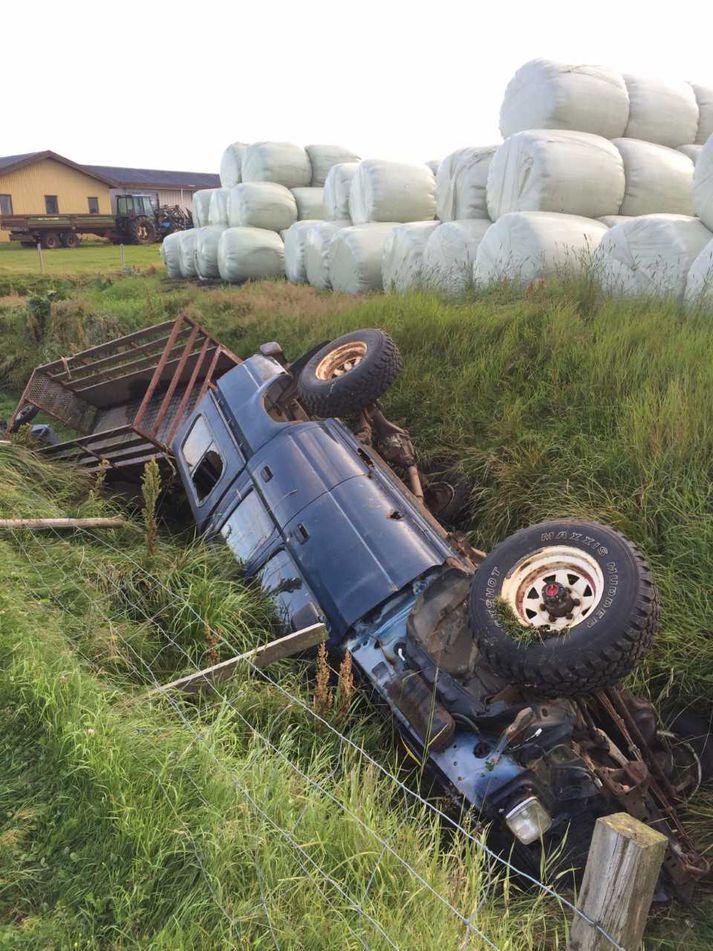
<point x="126" y="398"/>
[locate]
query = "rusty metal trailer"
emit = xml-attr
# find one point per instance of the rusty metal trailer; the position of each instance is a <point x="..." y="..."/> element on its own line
<point x="51" y="231"/>
<point x="126" y="398"/>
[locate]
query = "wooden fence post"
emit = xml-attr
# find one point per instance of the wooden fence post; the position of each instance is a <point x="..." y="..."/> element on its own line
<point x="619" y="881"/>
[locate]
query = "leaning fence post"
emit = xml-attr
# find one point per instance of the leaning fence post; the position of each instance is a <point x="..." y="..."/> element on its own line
<point x="42" y="260"/>
<point x="623" y="866"/>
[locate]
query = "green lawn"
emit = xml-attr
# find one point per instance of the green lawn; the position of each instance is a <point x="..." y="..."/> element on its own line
<point x="89" y="258"/>
<point x="127" y="825"/>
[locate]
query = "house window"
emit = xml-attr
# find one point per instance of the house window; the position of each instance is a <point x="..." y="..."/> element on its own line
<point x="93" y="206"/>
<point x="5" y="204"/>
<point x="51" y="205"/>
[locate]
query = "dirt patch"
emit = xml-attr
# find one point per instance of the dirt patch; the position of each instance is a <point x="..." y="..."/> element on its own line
<point x="12" y="300"/>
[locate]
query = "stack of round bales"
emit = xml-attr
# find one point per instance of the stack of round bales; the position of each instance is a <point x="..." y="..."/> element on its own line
<point x="364" y="203"/>
<point x="266" y="188"/>
<point x="651" y="255"/>
<point x="393" y="207"/>
<point x="590" y="142"/>
<point x="544" y="94"/>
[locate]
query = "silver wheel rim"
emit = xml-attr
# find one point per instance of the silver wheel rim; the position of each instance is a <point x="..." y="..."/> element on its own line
<point x="341" y="360"/>
<point x="572" y="568"/>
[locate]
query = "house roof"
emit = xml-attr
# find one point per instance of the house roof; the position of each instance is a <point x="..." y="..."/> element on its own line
<point x="116" y="177"/>
<point x="10" y="163"/>
<point x="154" y="178"/>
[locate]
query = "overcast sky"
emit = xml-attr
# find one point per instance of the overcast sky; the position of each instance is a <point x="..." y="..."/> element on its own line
<point x="168" y="85"/>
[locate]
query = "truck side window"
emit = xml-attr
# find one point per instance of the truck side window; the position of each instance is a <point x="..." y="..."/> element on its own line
<point x="202" y="458"/>
<point x="206" y="474"/>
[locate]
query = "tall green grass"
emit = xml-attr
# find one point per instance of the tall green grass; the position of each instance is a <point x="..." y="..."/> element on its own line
<point x="128" y="822"/>
<point x="556" y="403"/>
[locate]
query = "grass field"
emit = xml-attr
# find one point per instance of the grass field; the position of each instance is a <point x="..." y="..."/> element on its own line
<point x="92" y="257"/>
<point x="118" y="828"/>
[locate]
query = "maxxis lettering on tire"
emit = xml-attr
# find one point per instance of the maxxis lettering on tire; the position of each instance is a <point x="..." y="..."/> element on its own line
<point x="600" y="649"/>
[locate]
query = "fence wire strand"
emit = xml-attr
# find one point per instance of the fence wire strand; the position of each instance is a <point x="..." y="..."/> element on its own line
<point x="470" y="928"/>
<point x="343" y="739"/>
<point x="233" y="779"/>
<point x="408" y="792"/>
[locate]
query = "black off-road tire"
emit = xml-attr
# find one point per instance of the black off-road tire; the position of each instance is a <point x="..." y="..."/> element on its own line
<point x="324" y="394"/>
<point x="69" y="239"/>
<point x="50" y="241"/>
<point x="598" y="651"/>
<point x="142" y="231"/>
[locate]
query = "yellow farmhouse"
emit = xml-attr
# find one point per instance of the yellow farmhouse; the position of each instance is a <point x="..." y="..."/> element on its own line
<point x="45" y="183"/>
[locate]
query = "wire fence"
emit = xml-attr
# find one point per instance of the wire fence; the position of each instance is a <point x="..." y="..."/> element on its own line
<point x="473" y="935"/>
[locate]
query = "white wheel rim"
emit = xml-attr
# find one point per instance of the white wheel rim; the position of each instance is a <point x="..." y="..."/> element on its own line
<point x="573" y="568"/>
<point x="341" y="360"/>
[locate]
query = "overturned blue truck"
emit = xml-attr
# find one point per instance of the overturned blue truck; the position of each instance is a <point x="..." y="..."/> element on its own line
<point x="502" y="671"/>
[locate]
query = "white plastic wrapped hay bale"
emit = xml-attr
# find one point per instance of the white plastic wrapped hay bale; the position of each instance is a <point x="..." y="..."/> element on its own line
<point x="449" y="256"/>
<point x="661" y="111"/>
<point x="280" y="162"/>
<point x="524" y="246"/>
<point x="691" y="151"/>
<point x="659" y="180"/>
<point x="316" y="252"/>
<point x="703" y="185"/>
<point x="295" y="239"/>
<point x="402" y="260"/>
<point x="461" y="183"/>
<point x="310" y="203"/>
<point x="699" y="283"/>
<point x="250" y="254"/>
<point x="384" y="191"/>
<point x="611" y="221"/>
<point x="187" y="252"/>
<point x="261" y="205"/>
<point x="231" y="165"/>
<point x="547" y="95"/>
<point x="355" y="257"/>
<point x="218" y="207"/>
<point x="201" y="206"/>
<point x="650" y="255"/>
<point x="573" y="173"/>
<point x="336" y="191"/>
<point x="325" y="157"/>
<point x="206" y="251"/>
<point x="704" y="98"/>
<point x="170" y="253"/>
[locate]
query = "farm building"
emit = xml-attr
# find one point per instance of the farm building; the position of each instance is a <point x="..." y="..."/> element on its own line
<point x="45" y="183"/>
<point x="166" y="188"/>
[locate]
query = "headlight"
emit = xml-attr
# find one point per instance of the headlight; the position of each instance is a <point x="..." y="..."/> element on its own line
<point x="528" y="820"/>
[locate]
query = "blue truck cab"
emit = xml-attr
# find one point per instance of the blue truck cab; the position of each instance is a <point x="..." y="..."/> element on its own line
<point x="311" y="509"/>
